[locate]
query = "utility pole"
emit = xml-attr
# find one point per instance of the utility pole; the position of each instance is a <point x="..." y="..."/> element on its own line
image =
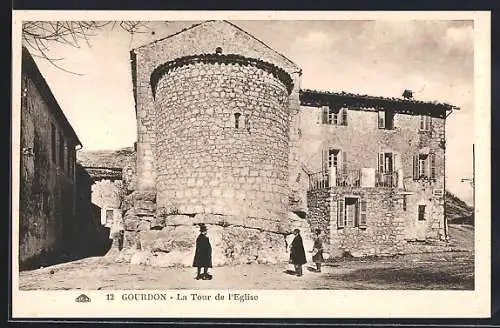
<point x="472" y="180"/>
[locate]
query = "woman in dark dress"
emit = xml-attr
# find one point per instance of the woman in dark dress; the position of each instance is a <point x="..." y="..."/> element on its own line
<point x="297" y="253"/>
<point x="318" y="250"/>
<point x="203" y="254"/>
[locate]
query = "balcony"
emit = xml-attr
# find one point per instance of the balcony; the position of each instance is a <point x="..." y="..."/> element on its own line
<point x="348" y="178"/>
<point x="386" y="179"/>
<point x="364" y="178"/>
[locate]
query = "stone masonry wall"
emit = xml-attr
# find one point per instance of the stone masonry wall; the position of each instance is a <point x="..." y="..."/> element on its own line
<point x="47" y="185"/>
<point x="207" y="165"/>
<point x="200" y="39"/>
<point x="319" y="203"/>
<point x="385" y="227"/>
<point x="363" y="140"/>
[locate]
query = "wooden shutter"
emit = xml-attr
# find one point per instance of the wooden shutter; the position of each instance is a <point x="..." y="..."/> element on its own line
<point x="344" y="116"/>
<point x="344" y="163"/>
<point x="324" y="159"/>
<point x="429" y="123"/>
<point x="415" y="167"/>
<point x="381" y="162"/>
<point x="324" y="115"/>
<point x="432" y="166"/>
<point x="381" y="119"/>
<point x="340" y="213"/>
<point x="362" y="214"/>
<point x="422" y="123"/>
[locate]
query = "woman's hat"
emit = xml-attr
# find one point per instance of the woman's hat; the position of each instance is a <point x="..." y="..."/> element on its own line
<point x="296" y="231"/>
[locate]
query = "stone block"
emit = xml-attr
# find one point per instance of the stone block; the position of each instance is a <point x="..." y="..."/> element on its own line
<point x="177" y="220"/>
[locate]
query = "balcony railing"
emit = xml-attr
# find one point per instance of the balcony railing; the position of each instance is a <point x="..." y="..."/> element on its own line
<point x="386" y="179"/>
<point x="319" y="180"/>
<point x="349" y="178"/>
<point x="352" y="178"/>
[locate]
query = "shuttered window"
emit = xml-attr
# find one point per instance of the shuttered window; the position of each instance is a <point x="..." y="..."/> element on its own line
<point x="425" y="123"/>
<point x="424" y="166"/>
<point x="340" y="213"/>
<point x="332" y="116"/>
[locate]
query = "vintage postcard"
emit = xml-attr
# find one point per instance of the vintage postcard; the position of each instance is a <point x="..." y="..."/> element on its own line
<point x="244" y="164"/>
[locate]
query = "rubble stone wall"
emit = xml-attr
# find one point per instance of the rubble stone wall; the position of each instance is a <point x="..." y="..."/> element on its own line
<point x="222" y="141"/>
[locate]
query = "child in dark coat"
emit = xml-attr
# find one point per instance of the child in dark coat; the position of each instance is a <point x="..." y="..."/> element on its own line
<point x="203" y="254"/>
<point x="318" y="250"/>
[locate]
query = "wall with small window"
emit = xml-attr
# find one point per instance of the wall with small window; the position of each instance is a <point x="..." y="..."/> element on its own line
<point x="374" y="221"/>
<point x="366" y="222"/>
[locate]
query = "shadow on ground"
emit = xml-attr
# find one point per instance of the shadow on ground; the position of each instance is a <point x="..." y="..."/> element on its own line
<point x="45" y="260"/>
<point x="416" y="278"/>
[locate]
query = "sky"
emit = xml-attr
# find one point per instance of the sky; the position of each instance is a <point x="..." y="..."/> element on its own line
<point x="380" y="58"/>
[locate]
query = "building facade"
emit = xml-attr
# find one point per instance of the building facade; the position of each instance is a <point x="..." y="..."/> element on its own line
<point x="224" y="140"/>
<point x="379" y="175"/>
<point x="47" y="170"/>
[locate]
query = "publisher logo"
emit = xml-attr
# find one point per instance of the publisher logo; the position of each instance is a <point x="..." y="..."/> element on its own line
<point x="82" y="299"/>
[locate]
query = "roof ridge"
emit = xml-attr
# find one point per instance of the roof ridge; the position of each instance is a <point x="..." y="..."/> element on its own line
<point x="395" y="99"/>
<point x="29" y="65"/>
<point x="174" y="34"/>
<point x="227" y="22"/>
<point x="260" y="41"/>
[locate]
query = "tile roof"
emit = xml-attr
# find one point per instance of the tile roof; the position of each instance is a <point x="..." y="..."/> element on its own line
<point x="325" y="98"/>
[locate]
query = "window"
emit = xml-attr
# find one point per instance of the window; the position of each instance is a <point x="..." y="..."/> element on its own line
<point x="404" y="203"/>
<point x="334" y="116"/>
<point x="421" y="212"/>
<point x="237" y="120"/>
<point x="351" y="212"/>
<point x="425" y="123"/>
<point x="387" y="173"/>
<point x="424" y="166"/>
<point x="53" y="142"/>
<point x="333" y="158"/>
<point x="386" y="119"/>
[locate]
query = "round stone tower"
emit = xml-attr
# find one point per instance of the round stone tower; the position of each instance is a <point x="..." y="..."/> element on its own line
<point x="217" y="130"/>
<point x="222" y="124"/>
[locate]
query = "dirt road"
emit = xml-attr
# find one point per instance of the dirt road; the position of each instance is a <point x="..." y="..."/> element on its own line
<point x="452" y="270"/>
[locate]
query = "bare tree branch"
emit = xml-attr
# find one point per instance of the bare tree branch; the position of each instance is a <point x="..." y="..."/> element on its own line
<point x="40" y="35"/>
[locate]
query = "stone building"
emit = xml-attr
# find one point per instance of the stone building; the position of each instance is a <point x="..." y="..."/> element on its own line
<point x="379" y="176"/>
<point x="224" y="139"/>
<point x="216" y="114"/>
<point x="47" y="217"/>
